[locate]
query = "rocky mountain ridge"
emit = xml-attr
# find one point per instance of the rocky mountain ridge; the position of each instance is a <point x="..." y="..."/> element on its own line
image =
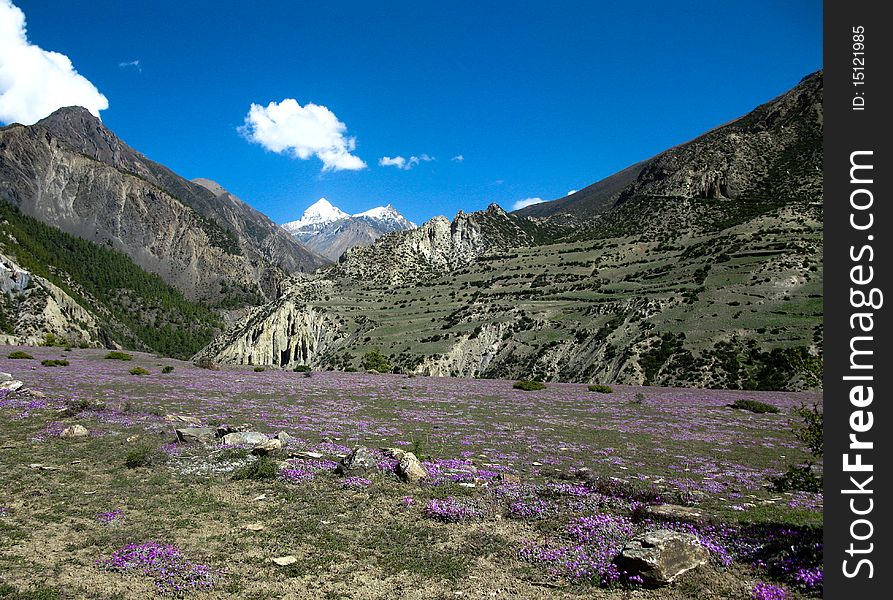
<point x="72" y="172"/>
<point x="773" y="151"/>
<point x="436" y="247"/>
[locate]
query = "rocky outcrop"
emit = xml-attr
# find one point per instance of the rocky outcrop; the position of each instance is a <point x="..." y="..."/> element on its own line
<point x="286" y="332"/>
<point x="434" y="248"/>
<point x="71" y="172"/>
<point x="34" y="307"/>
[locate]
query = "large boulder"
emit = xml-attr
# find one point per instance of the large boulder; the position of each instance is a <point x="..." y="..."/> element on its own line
<point x="196" y="435"/>
<point x="360" y="461"/>
<point x="243" y="438"/>
<point x="660" y="556"/>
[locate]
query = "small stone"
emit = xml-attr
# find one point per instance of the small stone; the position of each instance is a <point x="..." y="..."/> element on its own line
<point x="284" y="437"/>
<point x="255" y="527"/>
<point x="131" y="439"/>
<point x="304" y="454"/>
<point x="75" y="431"/>
<point x="183" y="419"/>
<point x="258" y="498"/>
<point x="284" y="561"/>
<point x="267" y="447"/>
<point x="360" y="461"/>
<point x="676" y="511"/>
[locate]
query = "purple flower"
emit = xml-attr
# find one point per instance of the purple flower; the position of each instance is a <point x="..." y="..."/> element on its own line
<point x="301" y="470"/>
<point x="589" y="551"/>
<point x="165" y="564"/>
<point x="107" y="518"/>
<point x="356" y="483"/>
<point x="767" y="591"/>
<point x="452" y="510"/>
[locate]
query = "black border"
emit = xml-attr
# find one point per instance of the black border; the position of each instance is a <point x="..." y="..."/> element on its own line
<point x="847" y="130"/>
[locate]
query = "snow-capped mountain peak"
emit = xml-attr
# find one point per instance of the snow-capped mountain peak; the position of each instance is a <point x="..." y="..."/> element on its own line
<point x="330" y="231"/>
<point x="385" y="213"/>
<point x="317" y="214"/>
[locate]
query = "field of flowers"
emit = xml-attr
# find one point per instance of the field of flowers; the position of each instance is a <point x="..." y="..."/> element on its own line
<point x="530" y="494"/>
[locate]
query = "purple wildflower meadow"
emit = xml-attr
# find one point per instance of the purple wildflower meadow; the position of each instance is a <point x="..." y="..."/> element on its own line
<point x="453" y="510"/>
<point x="165" y="564"/>
<point x="768" y="591"/>
<point x="588" y="552"/>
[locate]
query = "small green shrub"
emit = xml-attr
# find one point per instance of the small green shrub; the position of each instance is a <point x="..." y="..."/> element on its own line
<point x="798" y="478"/>
<point x="602" y="389"/>
<point x="138" y="371"/>
<point x="141" y="456"/>
<point x="754" y="406"/>
<point x="259" y="369"/>
<point x="54" y="362"/>
<point x="302" y="369"/>
<point x="50" y="339"/>
<point x="374" y="360"/>
<point x="19" y="354"/>
<point x="74" y="407"/>
<point x="529" y="385"/>
<point x="117" y="355"/>
<point x="167" y="369"/>
<point x="262" y="468"/>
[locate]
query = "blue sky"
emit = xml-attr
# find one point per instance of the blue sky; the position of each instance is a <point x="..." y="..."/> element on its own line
<point x="539" y="98"/>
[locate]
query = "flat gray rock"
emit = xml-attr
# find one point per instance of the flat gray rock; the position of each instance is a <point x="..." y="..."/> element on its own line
<point x="196" y="435"/>
<point x="241" y="438"/>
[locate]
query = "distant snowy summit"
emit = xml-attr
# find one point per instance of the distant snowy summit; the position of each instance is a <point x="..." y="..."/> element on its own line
<point x="320" y="213"/>
<point x="328" y="230"/>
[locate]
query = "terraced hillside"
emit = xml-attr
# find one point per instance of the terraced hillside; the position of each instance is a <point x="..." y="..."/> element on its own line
<point x="738" y="308"/>
<point x="699" y="267"/>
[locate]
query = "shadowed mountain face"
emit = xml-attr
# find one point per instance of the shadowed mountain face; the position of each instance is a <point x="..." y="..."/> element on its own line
<point x="699" y="267"/>
<point x="774" y="151"/>
<point x="71" y="172"/>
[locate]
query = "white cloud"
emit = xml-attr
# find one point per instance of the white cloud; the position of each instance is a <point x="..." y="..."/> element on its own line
<point x="397" y="161"/>
<point x="572" y="192"/>
<point x="302" y="131"/>
<point x="131" y="63"/>
<point x="526" y="202"/>
<point x="458" y="158"/>
<point x="35" y="82"/>
<point x="403" y="163"/>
